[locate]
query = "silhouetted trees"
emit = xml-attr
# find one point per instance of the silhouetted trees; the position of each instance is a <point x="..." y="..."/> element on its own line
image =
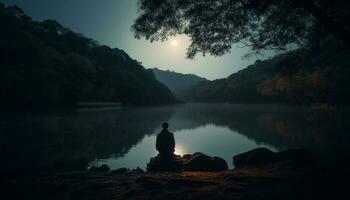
<point x="283" y="79"/>
<point x="44" y="65"/>
<point x="215" y="25"/>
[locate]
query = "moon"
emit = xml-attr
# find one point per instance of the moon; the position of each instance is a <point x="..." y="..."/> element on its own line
<point x="174" y="43"/>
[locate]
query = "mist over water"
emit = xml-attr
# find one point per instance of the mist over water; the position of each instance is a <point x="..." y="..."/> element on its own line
<point x="125" y="137"/>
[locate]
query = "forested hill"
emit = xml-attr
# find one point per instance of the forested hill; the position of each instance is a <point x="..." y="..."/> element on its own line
<point x="44" y="65"/>
<point x="178" y="83"/>
<point x="299" y="77"/>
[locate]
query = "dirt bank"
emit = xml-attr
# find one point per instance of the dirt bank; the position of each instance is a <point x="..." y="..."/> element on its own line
<point x="276" y="181"/>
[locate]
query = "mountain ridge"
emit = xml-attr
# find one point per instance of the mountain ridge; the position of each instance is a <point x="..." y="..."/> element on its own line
<point x="177" y="82"/>
<point x="45" y="65"/>
<point x="299" y="77"/>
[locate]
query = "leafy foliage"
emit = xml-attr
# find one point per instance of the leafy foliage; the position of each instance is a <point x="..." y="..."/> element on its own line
<point x="215" y="25"/>
<point x="44" y="65"/>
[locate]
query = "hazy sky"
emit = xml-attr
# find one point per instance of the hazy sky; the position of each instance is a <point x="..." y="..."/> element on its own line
<point x="109" y="22"/>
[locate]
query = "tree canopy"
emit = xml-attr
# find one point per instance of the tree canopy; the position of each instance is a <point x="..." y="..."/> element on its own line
<point x="215" y="25"/>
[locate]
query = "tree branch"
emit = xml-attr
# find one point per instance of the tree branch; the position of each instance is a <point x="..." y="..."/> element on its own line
<point x="330" y="24"/>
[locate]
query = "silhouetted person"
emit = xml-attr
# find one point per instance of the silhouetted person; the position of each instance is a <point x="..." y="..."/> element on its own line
<point x="165" y="143"/>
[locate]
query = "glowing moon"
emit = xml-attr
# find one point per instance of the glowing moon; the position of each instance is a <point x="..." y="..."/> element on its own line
<point x="179" y="150"/>
<point x="174" y="43"/>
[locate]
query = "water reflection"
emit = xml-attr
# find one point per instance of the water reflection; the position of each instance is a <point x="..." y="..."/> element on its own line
<point x="125" y="137"/>
<point x="210" y="139"/>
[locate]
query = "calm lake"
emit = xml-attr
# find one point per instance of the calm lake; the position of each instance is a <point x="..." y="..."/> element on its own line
<point x="125" y="137"/>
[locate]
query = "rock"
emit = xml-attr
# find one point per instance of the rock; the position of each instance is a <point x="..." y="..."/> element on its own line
<point x="159" y="164"/>
<point x="102" y="168"/>
<point x="138" y="170"/>
<point x="187" y="156"/>
<point x="119" y="171"/>
<point x="196" y="162"/>
<point x="263" y="156"/>
<point x="258" y="156"/>
<point x="202" y="162"/>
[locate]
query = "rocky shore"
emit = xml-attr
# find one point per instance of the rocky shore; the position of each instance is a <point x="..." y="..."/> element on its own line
<point x="279" y="179"/>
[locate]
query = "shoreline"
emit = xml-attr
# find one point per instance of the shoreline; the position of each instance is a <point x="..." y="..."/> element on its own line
<point x="283" y="180"/>
<point x="260" y="174"/>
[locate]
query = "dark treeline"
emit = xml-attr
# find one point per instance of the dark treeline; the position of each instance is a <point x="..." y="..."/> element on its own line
<point x="298" y="77"/>
<point x="44" y="65"/>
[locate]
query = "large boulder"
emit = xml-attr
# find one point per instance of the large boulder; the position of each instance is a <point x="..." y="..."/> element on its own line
<point x="202" y="162"/>
<point x="102" y="168"/>
<point x="258" y="156"/>
<point x="195" y="162"/>
<point x="119" y="171"/>
<point x="263" y="156"/>
<point x="165" y="164"/>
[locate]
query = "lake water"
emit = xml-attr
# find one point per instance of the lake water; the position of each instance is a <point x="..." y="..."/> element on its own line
<point x="125" y="137"/>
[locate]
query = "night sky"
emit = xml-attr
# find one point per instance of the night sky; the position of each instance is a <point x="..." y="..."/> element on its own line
<point x="109" y="22"/>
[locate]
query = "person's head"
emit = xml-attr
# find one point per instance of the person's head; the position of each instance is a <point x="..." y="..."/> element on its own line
<point x="165" y="126"/>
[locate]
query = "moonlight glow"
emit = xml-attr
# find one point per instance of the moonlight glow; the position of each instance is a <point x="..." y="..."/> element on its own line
<point x="174" y="43"/>
<point x="179" y="150"/>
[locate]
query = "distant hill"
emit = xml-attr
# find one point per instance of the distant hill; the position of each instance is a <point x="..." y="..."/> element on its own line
<point x="316" y="76"/>
<point x="178" y="83"/>
<point x="44" y="65"/>
<point x="238" y="87"/>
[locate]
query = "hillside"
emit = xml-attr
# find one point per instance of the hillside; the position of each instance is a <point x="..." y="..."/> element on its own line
<point x="178" y="83"/>
<point x="44" y="65"/>
<point x="313" y="76"/>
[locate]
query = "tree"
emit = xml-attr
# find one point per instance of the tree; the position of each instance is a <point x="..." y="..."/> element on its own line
<point x="214" y="25"/>
<point x="44" y="66"/>
<point x="54" y="26"/>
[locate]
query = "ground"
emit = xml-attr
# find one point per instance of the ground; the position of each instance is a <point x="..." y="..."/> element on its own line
<point x="275" y="181"/>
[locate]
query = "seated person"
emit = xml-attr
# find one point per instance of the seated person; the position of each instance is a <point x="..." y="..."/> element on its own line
<point x="166" y="160"/>
<point x="165" y="143"/>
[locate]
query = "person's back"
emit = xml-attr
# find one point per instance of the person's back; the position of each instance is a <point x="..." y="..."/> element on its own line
<point x="165" y="143"/>
<point x="166" y="160"/>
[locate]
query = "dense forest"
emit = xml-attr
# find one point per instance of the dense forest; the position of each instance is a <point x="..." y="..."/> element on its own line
<point x="178" y="83"/>
<point x="44" y="65"/>
<point x="297" y="77"/>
